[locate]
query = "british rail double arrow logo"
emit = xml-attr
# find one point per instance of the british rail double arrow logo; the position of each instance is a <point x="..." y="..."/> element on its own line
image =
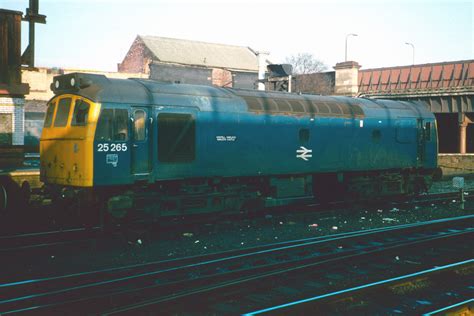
<point x="304" y="153"/>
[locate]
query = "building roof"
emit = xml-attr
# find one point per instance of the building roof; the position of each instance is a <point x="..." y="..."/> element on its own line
<point x="188" y="52"/>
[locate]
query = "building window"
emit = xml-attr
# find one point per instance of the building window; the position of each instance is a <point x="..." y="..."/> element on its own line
<point x="62" y="114"/>
<point x="176" y="137"/>
<point x="81" y="113"/>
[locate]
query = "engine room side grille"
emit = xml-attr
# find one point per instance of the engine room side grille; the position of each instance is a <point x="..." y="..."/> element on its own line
<point x="302" y="107"/>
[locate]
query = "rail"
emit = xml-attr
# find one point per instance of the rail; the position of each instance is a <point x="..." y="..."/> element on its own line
<point x="182" y="278"/>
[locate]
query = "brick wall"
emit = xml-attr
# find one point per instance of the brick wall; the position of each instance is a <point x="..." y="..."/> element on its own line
<point x="39" y="82"/>
<point x="14" y="106"/>
<point x="180" y="73"/>
<point x="456" y="164"/>
<point x="137" y="59"/>
<point x="221" y="77"/>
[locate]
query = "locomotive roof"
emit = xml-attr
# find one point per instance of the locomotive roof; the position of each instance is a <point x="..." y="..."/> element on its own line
<point x="99" y="88"/>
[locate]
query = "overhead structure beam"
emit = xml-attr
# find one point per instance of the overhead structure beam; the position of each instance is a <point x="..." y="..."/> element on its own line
<point x="32" y="16"/>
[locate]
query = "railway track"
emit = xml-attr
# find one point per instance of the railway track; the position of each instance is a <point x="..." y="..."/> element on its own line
<point x="36" y="240"/>
<point x="51" y="238"/>
<point x="228" y="282"/>
<point x="406" y="294"/>
<point x="418" y="200"/>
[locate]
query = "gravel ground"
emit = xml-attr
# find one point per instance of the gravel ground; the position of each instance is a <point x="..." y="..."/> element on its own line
<point x="447" y="186"/>
<point x="133" y="247"/>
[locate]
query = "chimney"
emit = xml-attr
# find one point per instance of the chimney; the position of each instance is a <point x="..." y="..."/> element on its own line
<point x="262" y="67"/>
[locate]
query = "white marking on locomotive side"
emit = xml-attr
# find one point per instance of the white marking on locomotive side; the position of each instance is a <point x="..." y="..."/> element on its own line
<point x="304" y="153"/>
<point x="111" y="159"/>
<point x="361" y="123"/>
<point x="226" y="138"/>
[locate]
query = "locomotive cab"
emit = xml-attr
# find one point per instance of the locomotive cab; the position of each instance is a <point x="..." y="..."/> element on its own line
<point x="89" y="141"/>
<point x="66" y="141"/>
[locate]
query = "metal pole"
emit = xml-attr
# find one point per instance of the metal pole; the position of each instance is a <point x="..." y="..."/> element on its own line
<point x="347" y="36"/>
<point x="413" y="52"/>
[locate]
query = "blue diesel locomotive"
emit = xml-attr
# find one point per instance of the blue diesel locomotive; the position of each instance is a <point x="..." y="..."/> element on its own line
<point x="169" y="149"/>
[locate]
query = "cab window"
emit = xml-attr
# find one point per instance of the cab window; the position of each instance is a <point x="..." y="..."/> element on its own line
<point x="120" y="125"/>
<point x="62" y="113"/>
<point x="49" y="114"/>
<point x="81" y="113"/>
<point x="112" y="125"/>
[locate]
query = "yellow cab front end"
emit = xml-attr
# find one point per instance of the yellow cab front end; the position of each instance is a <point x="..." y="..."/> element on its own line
<point x="66" y="145"/>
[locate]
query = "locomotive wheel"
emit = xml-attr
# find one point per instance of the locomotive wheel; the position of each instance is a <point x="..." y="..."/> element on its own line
<point x="252" y="206"/>
<point x="25" y="192"/>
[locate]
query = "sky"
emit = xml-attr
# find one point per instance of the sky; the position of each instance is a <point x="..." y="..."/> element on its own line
<point x="96" y="34"/>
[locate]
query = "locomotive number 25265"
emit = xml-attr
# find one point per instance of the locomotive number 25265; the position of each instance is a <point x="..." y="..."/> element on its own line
<point x="111" y="147"/>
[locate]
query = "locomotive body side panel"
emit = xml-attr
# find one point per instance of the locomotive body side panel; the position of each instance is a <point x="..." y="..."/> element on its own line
<point x="112" y="146"/>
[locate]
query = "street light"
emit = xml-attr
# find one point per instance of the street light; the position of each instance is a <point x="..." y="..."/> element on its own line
<point x="413" y="47"/>
<point x="347" y="36"/>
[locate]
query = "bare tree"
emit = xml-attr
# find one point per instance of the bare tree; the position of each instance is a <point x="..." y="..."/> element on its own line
<point x="305" y="63"/>
<point x="308" y="75"/>
<point x="316" y="83"/>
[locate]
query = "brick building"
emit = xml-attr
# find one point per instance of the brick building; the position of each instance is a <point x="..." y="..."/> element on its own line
<point x="185" y="61"/>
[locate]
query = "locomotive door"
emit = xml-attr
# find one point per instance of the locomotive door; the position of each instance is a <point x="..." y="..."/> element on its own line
<point x="141" y="134"/>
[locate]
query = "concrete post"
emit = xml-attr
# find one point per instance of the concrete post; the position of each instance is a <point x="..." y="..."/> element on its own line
<point x="347" y="78"/>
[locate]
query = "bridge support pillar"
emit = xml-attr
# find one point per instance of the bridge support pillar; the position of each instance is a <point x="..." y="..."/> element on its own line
<point x="464" y="121"/>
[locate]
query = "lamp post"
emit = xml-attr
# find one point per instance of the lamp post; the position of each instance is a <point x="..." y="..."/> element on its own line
<point x="413" y="48"/>
<point x="347" y="36"/>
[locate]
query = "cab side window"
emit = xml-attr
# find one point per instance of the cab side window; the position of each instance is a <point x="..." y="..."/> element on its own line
<point x="120" y="125"/>
<point x="105" y="125"/>
<point x="48" y="120"/>
<point x="81" y="113"/>
<point x="112" y="125"/>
